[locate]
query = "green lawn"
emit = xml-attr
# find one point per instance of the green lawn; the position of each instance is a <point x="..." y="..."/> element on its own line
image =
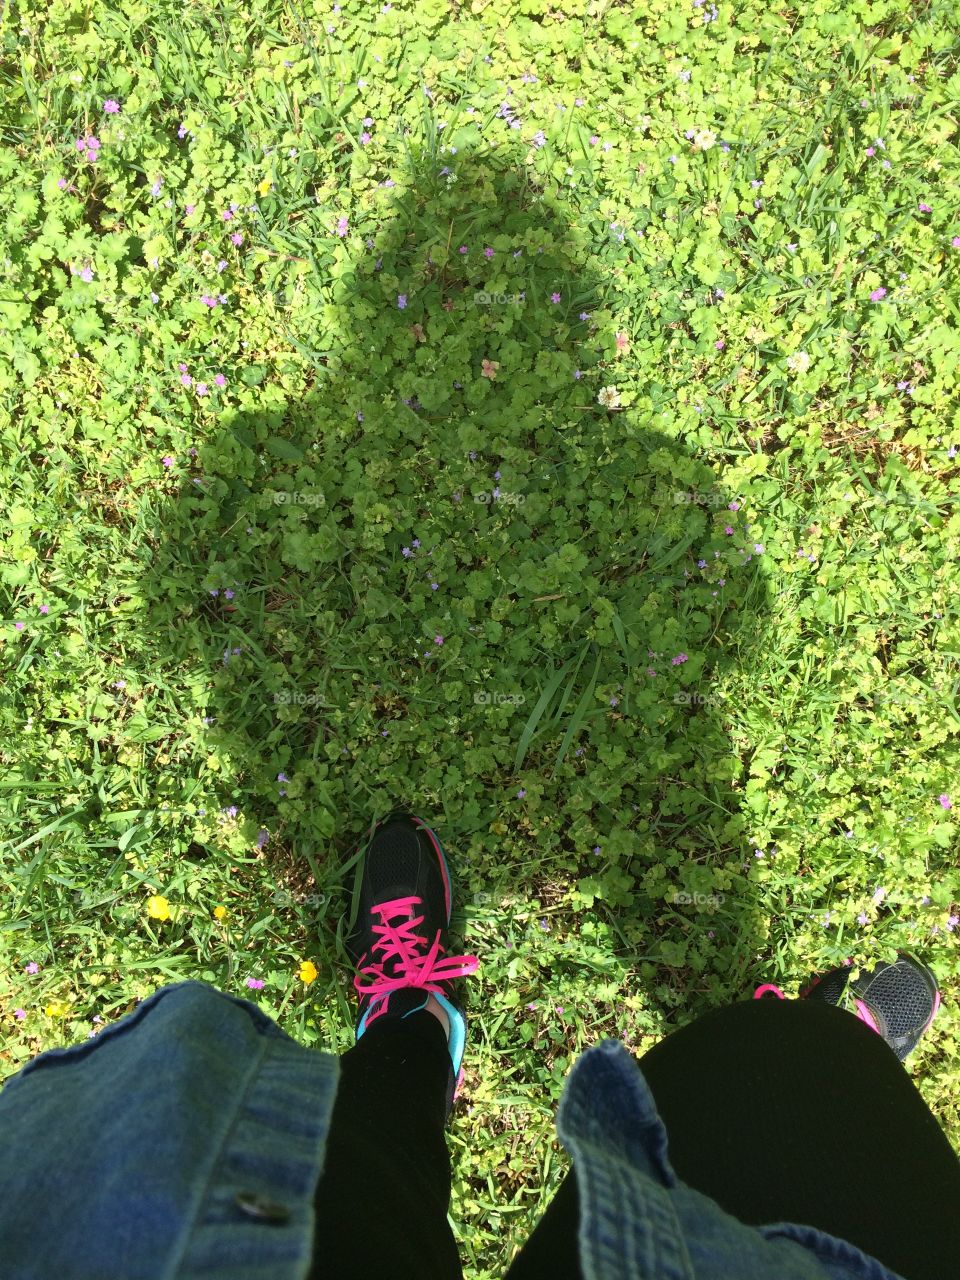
<point x="547" y="423"/>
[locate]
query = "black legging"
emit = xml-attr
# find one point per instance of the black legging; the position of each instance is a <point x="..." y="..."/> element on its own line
<point x="740" y="1090"/>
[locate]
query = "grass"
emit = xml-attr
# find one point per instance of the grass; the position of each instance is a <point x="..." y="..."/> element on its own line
<point x="672" y="668"/>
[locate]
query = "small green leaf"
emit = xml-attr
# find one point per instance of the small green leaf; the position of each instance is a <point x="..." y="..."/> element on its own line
<point x="284" y="449"/>
<point x="87" y="326"/>
<point x="128" y="836"/>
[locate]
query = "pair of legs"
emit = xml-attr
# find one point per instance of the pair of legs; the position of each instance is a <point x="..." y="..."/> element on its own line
<point x="779" y="1110"/>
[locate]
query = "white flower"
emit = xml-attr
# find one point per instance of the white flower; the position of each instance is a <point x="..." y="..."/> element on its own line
<point x="609" y="397"/>
<point x="704" y="140"/>
<point x="799" y="363"/>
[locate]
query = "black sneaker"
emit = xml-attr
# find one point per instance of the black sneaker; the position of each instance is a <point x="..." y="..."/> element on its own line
<point x="403" y="900"/>
<point x="898" y="1001"/>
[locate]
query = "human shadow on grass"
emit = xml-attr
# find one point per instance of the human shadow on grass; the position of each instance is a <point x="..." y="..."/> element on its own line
<point x="444" y="479"/>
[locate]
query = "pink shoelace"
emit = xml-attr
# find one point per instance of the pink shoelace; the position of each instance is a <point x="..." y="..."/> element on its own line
<point x="399" y="942"/>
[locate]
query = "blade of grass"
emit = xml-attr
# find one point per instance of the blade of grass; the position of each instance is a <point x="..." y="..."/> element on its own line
<point x="578" y="716"/>
<point x="621" y="637"/>
<point x="674" y="553"/>
<point x="569" y="689"/>
<point x="45" y="831"/>
<point x="40" y="866"/>
<point x="530" y="727"/>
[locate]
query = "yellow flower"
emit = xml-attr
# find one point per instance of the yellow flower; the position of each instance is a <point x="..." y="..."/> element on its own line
<point x="219" y="912"/>
<point x="264" y="186"/>
<point x="158" y="908"/>
<point x="308" y="972"/>
<point x="57" y="1010"/>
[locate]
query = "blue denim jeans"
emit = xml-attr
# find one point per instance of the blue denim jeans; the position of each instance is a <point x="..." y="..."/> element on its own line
<point x="195" y="1140"/>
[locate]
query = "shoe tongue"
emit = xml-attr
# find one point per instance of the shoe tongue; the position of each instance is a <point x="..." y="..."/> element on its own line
<point x="397" y="919"/>
<point x="407" y="1000"/>
<point x="831" y="986"/>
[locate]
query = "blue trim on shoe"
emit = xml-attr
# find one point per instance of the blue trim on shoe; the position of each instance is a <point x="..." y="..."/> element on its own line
<point x="362" y="1026"/>
<point x="456" y="1041"/>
